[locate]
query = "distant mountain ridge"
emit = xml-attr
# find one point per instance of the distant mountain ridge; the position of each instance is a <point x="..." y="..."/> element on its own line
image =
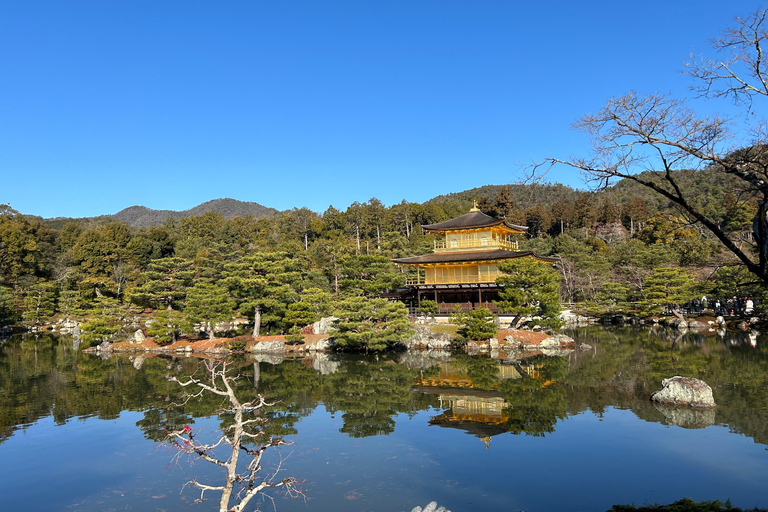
<point x="143" y="217"/>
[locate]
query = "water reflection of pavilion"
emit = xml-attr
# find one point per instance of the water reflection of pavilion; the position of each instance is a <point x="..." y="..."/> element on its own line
<point x="452" y="377"/>
<point x="478" y="412"/>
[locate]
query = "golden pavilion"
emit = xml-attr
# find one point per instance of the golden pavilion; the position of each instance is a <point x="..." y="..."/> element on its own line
<point x="464" y="265"/>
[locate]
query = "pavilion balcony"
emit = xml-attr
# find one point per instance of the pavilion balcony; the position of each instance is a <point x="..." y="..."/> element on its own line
<point x="474" y="244"/>
<point x="482" y="277"/>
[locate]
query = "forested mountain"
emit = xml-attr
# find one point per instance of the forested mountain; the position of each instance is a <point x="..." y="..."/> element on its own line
<point x="143" y="217"/>
<point x="525" y="195"/>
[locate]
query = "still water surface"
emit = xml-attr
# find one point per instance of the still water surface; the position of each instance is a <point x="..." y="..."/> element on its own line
<point x="572" y="431"/>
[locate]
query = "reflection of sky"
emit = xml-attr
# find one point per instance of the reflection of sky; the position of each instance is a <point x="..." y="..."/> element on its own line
<point x="590" y="462"/>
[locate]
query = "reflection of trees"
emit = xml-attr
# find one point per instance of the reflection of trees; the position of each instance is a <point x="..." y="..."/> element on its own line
<point x="536" y="404"/>
<point x="43" y="376"/>
<point x="482" y="370"/>
<point x="370" y="392"/>
<point x="628" y="364"/>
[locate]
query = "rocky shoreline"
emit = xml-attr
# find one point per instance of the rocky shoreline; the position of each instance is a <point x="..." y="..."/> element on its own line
<point x="506" y="343"/>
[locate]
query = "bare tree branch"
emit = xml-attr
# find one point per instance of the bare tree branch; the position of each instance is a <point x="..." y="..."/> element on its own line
<point x="241" y="485"/>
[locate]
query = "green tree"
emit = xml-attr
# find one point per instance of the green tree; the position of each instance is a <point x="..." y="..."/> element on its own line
<point x="166" y="326"/>
<point x="370" y="324"/>
<point x="20" y="253"/>
<point x="668" y="288"/>
<point x="539" y="220"/>
<point x="71" y="303"/>
<point x="369" y="275"/>
<point x="478" y="324"/>
<point x="164" y="283"/>
<point x="263" y="285"/>
<point x="39" y="304"/>
<point x="106" y="319"/>
<point x="530" y="287"/>
<point x="7" y="312"/>
<point x="208" y="304"/>
<point x="313" y="305"/>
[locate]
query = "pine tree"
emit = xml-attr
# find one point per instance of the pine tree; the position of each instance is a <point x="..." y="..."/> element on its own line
<point x="668" y="288"/>
<point x="208" y="304"/>
<point x="530" y="287"/>
<point x="370" y="324"/>
<point x="39" y="304"/>
<point x="164" y="283"/>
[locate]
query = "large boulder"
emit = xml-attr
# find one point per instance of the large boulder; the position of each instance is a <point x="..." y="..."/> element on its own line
<point x="323" y="326"/>
<point x="424" y="359"/>
<point x="421" y="336"/>
<point x="104" y="346"/>
<point x="555" y="341"/>
<point x="684" y="391"/>
<point x="138" y="337"/>
<point x="431" y="507"/>
<point x="273" y="359"/>
<point x="697" y="326"/>
<point x="439" y="344"/>
<point x="323" y="345"/>
<point x="269" y="347"/>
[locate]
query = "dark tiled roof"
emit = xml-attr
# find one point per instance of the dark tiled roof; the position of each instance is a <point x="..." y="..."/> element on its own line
<point x="472" y="220"/>
<point x="457" y="257"/>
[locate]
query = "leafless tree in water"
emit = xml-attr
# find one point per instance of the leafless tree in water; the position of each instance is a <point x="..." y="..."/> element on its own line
<point x="250" y="479"/>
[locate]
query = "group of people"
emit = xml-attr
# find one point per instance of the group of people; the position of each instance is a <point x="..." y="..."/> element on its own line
<point x="733" y="306"/>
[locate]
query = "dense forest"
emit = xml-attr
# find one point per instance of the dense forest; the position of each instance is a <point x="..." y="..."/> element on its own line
<point x="621" y="248"/>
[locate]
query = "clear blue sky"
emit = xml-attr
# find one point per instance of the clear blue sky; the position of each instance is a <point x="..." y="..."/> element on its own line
<point x="167" y="104"/>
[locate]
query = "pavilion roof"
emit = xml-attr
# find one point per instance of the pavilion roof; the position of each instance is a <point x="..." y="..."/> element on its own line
<point x="475" y="219"/>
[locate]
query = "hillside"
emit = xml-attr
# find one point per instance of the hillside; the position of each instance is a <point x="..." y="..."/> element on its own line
<point x="143" y="217"/>
<point x="706" y="191"/>
<point x="525" y="196"/>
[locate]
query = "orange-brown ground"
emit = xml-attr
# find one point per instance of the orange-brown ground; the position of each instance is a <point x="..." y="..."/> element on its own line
<point x="206" y="345"/>
<point x="525" y="337"/>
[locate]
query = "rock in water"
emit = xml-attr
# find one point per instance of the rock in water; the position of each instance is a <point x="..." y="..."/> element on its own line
<point x="431" y="507"/>
<point x="684" y="391"/>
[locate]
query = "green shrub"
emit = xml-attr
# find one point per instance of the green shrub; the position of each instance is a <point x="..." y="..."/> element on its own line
<point x="235" y="344"/>
<point x="478" y="324"/>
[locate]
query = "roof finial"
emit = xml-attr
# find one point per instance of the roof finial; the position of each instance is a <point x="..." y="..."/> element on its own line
<point x="474" y="208"/>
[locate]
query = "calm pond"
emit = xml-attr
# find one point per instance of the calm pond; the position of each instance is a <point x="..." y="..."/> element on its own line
<point x="571" y="431"/>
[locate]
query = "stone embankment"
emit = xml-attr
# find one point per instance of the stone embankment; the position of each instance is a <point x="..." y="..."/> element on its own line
<point x="265" y="345"/>
<point x="506" y="340"/>
<point x="702" y="324"/>
<point x="424" y="346"/>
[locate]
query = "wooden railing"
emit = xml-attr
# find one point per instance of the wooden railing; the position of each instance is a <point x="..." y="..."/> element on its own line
<point x="459" y="245"/>
<point x="483" y="277"/>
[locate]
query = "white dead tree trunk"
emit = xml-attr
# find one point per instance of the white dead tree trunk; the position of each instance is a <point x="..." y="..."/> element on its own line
<point x="247" y="427"/>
